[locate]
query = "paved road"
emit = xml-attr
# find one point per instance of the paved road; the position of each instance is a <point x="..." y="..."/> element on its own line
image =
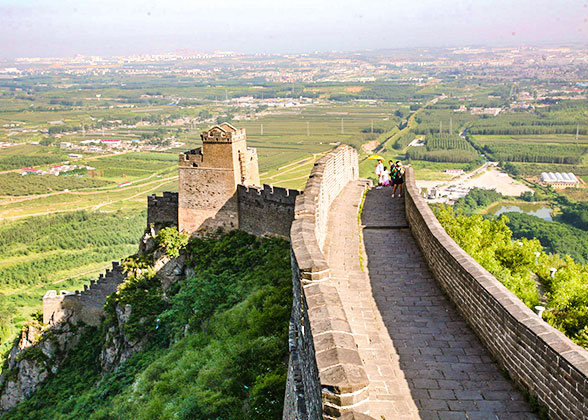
<point x="422" y="360"/>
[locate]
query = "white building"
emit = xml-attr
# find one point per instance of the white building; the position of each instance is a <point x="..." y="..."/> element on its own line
<point x="559" y="180"/>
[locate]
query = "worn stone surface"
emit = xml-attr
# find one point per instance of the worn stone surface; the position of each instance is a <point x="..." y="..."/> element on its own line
<point x="162" y="210"/>
<point x="86" y="305"/>
<point x="536" y="356"/>
<point x="266" y="211"/>
<point x="421" y="358"/>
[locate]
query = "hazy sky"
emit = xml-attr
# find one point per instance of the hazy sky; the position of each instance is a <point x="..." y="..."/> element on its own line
<point x="112" y="27"/>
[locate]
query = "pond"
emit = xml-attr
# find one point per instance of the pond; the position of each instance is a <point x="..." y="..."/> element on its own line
<point x="539" y="210"/>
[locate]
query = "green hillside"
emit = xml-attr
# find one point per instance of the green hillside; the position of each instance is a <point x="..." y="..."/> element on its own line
<point x="216" y="348"/>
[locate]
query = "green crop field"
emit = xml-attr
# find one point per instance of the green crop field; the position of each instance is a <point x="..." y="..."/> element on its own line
<point x="288" y="139"/>
<point x="292" y="140"/>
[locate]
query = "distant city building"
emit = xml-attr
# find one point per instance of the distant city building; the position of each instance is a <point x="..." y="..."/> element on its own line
<point x="559" y="180"/>
<point x="75" y="156"/>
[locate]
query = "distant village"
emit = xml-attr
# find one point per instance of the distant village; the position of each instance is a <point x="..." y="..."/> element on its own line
<point x="115" y="146"/>
<point x="55" y="170"/>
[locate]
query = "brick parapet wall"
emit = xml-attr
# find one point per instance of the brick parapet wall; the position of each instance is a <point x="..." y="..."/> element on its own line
<point x="326" y="371"/>
<point x="85" y="306"/>
<point x="267" y="210"/>
<point x="537" y="357"/>
<point x="162" y="210"/>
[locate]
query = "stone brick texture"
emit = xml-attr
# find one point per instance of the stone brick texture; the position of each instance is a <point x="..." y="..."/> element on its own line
<point x="162" y="210"/>
<point x="421" y="358"/>
<point x="85" y="306"/>
<point x="266" y="211"/>
<point x="536" y="356"/>
<point x="326" y="375"/>
<point x="208" y="179"/>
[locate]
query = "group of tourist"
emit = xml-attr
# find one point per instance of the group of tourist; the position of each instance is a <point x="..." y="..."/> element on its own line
<point x="393" y="176"/>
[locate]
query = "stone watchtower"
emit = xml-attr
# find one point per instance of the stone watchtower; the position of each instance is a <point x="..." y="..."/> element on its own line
<point x="208" y="179"/>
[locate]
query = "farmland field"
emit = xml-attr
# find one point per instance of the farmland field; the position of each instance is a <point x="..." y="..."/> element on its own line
<point x="568" y="139"/>
<point x="50" y="118"/>
<point x="112" y="195"/>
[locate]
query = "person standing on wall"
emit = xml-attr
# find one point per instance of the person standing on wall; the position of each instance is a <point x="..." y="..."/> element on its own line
<point x="385" y="178"/>
<point x="397" y="174"/>
<point x="379" y="172"/>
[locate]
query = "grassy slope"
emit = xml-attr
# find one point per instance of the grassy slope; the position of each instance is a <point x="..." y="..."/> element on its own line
<point x="58" y="252"/>
<point x="231" y="365"/>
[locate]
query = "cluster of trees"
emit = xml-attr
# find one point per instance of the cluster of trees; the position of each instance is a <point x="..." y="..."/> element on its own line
<point x="509" y="168"/>
<point x="216" y="345"/>
<point x="493" y="244"/>
<point x="537" y="153"/>
<point x="434" y="119"/>
<point x="530" y="124"/>
<point x="556" y="238"/>
<point x="15" y="184"/>
<point x="441" y="155"/>
<point x="527" y="129"/>
<point x="64" y="241"/>
<point x="444" y="148"/>
<point x="65" y="102"/>
<point x="475" y="199"/>
<point x="403" y="140"/>
<point x="447" y="142"/>
<point x="25" y="161"/>
<point x="489" y="241"/>
<point x="575" y="214"/>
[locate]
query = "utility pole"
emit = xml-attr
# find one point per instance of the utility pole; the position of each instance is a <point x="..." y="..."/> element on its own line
<point x="372" y="131"/>
<point x="450" y="126"/>
<point x="440" y="126"/>
<point x="342" y="128"/>
<point x="577" y="132"/>
<point x="261" y="130"/>
<point x="226" y="96"/>
<point x="307" y="128"/>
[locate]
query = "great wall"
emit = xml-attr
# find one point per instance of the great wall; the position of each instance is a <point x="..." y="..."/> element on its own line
<point x="390" y="318"/>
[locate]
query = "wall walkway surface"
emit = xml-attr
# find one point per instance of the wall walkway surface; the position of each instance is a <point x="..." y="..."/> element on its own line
<point x="537" y="357"/>
<point x="391" y="319"/>
<point x="422" y="360"/>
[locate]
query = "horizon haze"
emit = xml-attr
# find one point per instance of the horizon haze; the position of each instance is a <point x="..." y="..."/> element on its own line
<point x="64" y="28"/>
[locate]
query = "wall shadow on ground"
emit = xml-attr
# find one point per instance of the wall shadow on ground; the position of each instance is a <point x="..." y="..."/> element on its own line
<point x="444" y="363"/>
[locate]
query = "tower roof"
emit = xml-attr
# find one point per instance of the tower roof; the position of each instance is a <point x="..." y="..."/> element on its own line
<point x="223" y="133"/>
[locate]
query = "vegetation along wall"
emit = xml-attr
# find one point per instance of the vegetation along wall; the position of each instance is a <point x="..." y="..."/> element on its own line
<point x="538" y="357"/>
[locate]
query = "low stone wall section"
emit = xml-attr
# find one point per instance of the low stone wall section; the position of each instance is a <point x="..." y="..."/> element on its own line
<point x="162" y="210"/>
<point x="266" y="211"/>
<point x="85" y="306"/>
<point x="539" y="358"/>
<point x="326" y="377"/>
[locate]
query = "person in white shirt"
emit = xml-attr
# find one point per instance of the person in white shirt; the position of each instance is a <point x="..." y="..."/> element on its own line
<point x="379" y="171"/>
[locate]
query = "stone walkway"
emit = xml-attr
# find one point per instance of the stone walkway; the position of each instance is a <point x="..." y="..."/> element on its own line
<point x="422" y="360"/>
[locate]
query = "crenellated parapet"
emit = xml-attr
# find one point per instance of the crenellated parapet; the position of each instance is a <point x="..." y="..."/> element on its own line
<point x="266" y="211"/>
<point x="162" y="210"/>
<point x="208" y="179"/>
<point x="191" y="159"/>
<point x="86" y="305"/>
